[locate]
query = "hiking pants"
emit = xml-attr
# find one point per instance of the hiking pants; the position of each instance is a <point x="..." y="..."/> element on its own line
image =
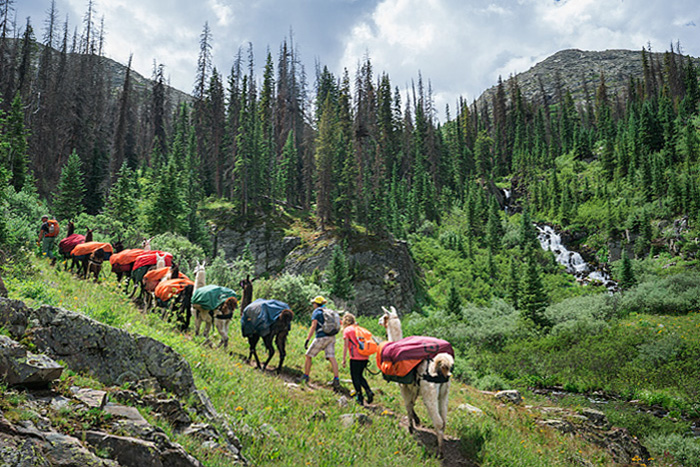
<point x="47" y="246"/>
<point x="357" y="368"/>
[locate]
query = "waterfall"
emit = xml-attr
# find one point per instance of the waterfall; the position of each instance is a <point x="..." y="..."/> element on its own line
<point x="575" y="264"/>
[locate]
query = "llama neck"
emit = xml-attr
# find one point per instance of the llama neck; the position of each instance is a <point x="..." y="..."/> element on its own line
<point x="199" y="279"/>
<point x="393" y="330"/>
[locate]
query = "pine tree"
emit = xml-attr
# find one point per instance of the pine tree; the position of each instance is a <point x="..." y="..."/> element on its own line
<point x="513" y="284"/>
<point x="627" y="279"/>
<point x="14" y="147"/>
<point x="339" y="275"/>
<point x="533" y="299"/>
<point x="528" y="235"/>
<point x="454" y="301"/>
<point x="68" y="202"/>
<point x="166" y="211"/>
<point x="494" y="228"/>
<point x="121" y="203"/>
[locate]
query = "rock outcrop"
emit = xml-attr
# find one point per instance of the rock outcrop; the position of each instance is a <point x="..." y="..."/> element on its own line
<point x="384" y="272"/>
<point x="110" y="355"/>
<point x="118" y="433"/>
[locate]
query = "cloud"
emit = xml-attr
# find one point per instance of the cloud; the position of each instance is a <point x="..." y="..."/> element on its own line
<point x="460" y="46"/>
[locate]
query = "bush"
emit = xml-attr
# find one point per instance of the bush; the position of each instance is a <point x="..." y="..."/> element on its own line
<point x="586" y="314"/>
<point x="684" y="449"/>
<point x="294" y="290"/>
<point x="677" y="294"/>
<point x="185" y="253"/>
<point x="227" y="274"/>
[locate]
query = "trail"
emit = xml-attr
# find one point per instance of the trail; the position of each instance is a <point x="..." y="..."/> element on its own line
<point x="423" y="435"/>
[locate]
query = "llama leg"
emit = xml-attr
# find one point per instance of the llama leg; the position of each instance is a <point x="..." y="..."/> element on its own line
<point x="281" y="341"/>
<point x="409" y="393"/>
<point x="429" y="393"/>
<point x="252" y="343"/>
<point x="222" y="328"/>
<point x="270" y="349"/>
<point x="442" y="399"/>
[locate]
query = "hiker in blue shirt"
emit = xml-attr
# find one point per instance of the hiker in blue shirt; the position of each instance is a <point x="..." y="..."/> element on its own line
<point x="321" y="342"/>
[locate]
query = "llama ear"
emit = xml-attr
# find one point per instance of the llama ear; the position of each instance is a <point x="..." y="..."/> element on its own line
<point x="393" y="310"/>
<point x="385" y="310"/>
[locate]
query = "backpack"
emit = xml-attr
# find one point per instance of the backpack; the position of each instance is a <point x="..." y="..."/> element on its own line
<point x="366" y="343"/>
<point x="331" y="322"/>
<point x="53" y="228"/>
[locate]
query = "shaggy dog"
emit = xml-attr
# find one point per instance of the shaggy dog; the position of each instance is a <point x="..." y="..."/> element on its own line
<point x="432" y="382"/>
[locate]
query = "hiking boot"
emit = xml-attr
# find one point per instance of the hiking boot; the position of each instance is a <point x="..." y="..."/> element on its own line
<point x="336" y="384"/>
<point x="304" y="380"/>
<point x="370" y="397"/>
<point x="360" y="401"/>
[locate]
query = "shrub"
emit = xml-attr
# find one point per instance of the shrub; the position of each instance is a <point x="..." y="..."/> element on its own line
<point x="677" y="294"/>
<point x="586" y="314"/>
<point x="684" y="449"/>
<point x="185" y="253"/>
<point x="294" y="290"/>
<point x="227" y="274"/>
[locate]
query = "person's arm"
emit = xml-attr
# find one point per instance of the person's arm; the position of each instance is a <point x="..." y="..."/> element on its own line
<point x="312" y="330"/>
<point x="346" y="343"/>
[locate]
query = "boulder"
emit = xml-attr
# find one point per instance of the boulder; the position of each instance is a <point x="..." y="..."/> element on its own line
<point x="470" y="409"/>
<point x="108" y="353"/>
<point x="92" y="398"/>
<point x="383" y="270"/>
<point x="13" y="317"/>
<point x="19" y="367"/>
<point x="510" y="395"/>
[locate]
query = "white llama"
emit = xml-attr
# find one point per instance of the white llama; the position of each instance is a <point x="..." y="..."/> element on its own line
<point x="434" y="394"/>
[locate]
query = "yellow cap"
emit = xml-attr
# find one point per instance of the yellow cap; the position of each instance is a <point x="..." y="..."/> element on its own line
<point x="319" y="300"/>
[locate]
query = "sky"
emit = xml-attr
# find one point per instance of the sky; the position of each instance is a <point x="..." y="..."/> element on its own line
<point x="460" y="47"/>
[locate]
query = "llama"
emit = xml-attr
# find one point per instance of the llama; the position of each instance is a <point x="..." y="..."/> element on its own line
<point x="200" y="315"/>
<point x="278" y="331"/>
<point x="94" y="265"/>
<point x="66" y="245"/>
<point x="148" y="285"/>
<point x="80" y="263"/>
<point x="434" y="394"/>
<point x="247" y="286"/>
<point x="220" y="315"/>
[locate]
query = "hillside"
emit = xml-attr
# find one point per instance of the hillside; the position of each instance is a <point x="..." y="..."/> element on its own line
<point x="579" y="72"/>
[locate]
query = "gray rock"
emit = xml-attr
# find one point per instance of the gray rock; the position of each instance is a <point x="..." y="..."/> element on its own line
<point x="269" y="431"/>
<point x="470" y="409"/>
<point x="93" y="398"/>
<point x="19" y="367"/>
<point x="596" y="417"/>
<point x="108" y="353"/>
<point x="510" y="395"/>
<point x="129" y="452"/>
<point x="170" y="409"/>
<point x="13" y="317"/>
<point x="349" y="419"/>
<point x="319" y="415"/>
<point x="127" y="413"/>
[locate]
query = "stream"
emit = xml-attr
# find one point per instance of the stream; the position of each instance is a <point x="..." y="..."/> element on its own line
<point x="575" y="264"/>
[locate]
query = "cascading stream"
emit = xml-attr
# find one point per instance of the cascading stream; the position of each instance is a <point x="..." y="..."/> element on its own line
<point x="575" y="264"/>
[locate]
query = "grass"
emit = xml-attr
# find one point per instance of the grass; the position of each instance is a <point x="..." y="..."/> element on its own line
<point x="275" y="420"/>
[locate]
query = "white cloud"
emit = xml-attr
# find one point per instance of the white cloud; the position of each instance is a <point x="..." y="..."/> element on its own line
<point x="460" y="46"/>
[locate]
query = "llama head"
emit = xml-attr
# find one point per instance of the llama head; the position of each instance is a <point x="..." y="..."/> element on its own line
<point x="390" y="320"/>
<point x="199" y="274"/>
<point x="88" y="235"/>
<point x="146" y="244"/>
<point x="71" y="229"/>
<point x="160" y="260"/>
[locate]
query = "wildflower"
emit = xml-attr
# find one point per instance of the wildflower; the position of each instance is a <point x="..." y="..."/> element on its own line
<point x="239" y="409"/>
<point x="385" y="412"/>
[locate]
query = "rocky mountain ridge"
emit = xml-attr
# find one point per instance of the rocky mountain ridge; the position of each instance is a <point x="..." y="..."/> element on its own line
<point x="578" y="71"/>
